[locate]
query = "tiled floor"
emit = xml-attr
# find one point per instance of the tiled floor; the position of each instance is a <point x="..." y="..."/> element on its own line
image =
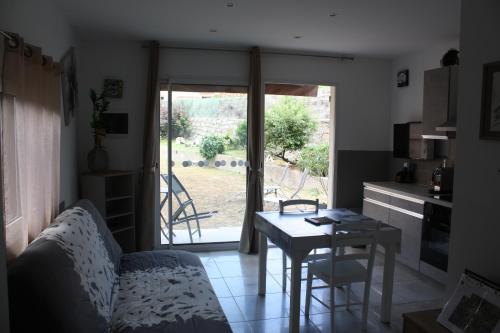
<point x="234" y="278"/>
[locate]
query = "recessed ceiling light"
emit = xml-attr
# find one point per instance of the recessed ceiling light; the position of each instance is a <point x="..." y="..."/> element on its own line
<point x="332" y="14"/>
<point x="229" y="4"/>
<point x="297" y="36"/>
<point x="213" y="30"/>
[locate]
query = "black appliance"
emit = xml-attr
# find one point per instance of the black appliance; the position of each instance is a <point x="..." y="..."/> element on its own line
<point x="436" y="236"/>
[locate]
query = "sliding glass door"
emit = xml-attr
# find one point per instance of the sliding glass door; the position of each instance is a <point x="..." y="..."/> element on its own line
<point x="202" y="181"/>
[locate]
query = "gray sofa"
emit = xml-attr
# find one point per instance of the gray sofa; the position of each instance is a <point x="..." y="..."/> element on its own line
<point x="75" y="278"/>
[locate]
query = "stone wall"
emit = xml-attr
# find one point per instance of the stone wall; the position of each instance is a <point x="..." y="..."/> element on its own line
<point x="204" y="126"/>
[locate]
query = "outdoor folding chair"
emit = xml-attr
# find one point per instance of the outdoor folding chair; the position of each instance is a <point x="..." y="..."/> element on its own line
<point x="268" y="189"/>
<point x="185" y="202"/>
<point x="275" y="199"/>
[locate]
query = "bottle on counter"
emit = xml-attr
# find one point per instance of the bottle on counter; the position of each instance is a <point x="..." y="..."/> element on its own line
<point x="442" y="179"/>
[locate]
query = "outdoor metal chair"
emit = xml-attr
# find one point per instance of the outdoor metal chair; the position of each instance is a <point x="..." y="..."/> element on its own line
<point x="185" y="202"/>
<point x="277" y="186"/>
<point x="275" y="199"/>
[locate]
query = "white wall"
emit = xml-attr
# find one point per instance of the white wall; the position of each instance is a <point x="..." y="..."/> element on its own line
<point x="407" y="102"/>
<point x="125" y="61"/>
<point x="41" y="23"/>
<point x="475" y="229"/>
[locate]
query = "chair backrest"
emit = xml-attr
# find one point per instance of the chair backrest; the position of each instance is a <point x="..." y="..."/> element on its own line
<point x="180" y="192"/>
<point x="360" y="234"/>
<point x="302" y="182"/>
<point x="295" y="202"/>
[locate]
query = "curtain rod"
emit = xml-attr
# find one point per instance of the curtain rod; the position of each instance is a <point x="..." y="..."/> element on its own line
<point x="6" y="35"/>
<point x="263" y="52"/>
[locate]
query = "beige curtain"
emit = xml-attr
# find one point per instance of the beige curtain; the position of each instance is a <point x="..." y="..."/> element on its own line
<point x="145" y="227"/>
<point x="249" y="239"/>
<point x="30" y="146"/>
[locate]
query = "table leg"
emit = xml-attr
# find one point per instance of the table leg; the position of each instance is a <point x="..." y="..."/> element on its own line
<point x="388" y="283"/>
<point x="262" y="263"/>
<point x="295" y="295"/>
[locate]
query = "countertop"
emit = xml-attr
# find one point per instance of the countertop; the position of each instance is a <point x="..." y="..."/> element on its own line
<point x="412" y="190"/>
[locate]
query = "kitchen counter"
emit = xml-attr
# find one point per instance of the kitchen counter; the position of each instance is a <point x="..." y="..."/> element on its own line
<point x="416" y="191"/>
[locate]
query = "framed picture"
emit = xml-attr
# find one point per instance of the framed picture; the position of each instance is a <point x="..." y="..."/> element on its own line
<point x="403" y="78"/>
<point x="69" y="85"/>
<point x="474" y="307"/>
<point x="490" y="108"/>
<point x="113" y="88"/>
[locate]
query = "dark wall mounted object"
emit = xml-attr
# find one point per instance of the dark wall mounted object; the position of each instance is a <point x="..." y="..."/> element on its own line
<point x="116" y="123"/>
<point x="403" y="78"/>
<point x="490" y="108"/>
<point x="408" y="142"/>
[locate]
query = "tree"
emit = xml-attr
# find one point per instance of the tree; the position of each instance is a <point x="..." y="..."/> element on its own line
<point x="241" y="134"/>
<point x="181" y="126"/>
<point x="316" y="159"/>
<point x="288" y="127"/>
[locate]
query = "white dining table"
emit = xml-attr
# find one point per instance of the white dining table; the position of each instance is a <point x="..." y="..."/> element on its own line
<point x="297" y="238"/>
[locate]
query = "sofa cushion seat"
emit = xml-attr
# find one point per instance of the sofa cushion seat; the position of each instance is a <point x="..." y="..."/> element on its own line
<point x="166" y="291"/>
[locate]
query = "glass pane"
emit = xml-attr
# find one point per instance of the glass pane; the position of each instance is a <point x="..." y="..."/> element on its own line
<point x="297" y="129"/>
<point x="208" y="163"/>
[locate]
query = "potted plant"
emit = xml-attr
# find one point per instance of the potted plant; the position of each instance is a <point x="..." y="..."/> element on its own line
<point x="98" y="157"/>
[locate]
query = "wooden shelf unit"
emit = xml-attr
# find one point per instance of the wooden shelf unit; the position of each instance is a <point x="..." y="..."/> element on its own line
<point x="112" y="192"/>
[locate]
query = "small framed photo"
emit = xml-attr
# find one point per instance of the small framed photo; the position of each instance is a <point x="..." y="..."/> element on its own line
<point x="490" y="108"/>
<point x="113" y="88"/>
<point x="474" y="307"/>
<point x="403" y="78"/>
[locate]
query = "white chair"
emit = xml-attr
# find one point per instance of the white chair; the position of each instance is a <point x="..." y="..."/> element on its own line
<point x="342" y="269"/>
<point x="314" y="255"/>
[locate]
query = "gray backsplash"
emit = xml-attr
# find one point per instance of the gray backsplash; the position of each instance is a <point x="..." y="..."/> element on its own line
<point x="424" y="169"/>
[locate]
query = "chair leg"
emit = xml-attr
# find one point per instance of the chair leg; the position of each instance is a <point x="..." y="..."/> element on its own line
<point x="308" y="292"/>
<point x="348" y="297"/>
<point x="332" y="308"/>
<point x="366" y="302"/>
<point x="283" y="282"/>
<point x="197" y="220"/>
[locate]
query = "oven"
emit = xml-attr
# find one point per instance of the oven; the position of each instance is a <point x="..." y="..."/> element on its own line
<point x="435" y="238"/>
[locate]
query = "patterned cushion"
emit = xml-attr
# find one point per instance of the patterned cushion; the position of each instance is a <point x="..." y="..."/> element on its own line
<point x="114" y="250"/>
<point x="65" y="280"/>
<point x="166" y="291"/>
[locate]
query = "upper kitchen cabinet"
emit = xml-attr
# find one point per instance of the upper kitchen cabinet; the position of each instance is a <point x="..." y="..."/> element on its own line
<point x="408" y="142"/>
<point x="440" y="102"/>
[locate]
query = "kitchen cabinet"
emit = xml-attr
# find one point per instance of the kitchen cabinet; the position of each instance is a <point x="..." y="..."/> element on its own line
<point x="402" y="212"/>
<point x="440" y="98"/>
<point x="375" y="211"/>
<point x="411" y="234"/>
<point x="408" y="142"/>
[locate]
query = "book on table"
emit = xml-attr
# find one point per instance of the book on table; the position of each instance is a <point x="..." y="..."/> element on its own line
<point x="321" y="220"/>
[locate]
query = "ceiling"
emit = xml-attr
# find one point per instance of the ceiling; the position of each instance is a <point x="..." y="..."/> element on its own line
<point x="377" y="28"/>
